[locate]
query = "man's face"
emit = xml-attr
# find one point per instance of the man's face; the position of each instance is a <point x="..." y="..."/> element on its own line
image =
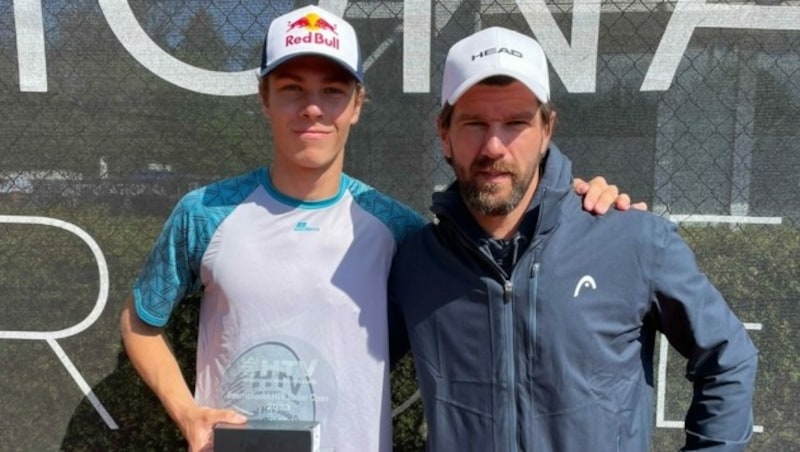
<point x="495" y="142"/>
<point x="311" y="103"/>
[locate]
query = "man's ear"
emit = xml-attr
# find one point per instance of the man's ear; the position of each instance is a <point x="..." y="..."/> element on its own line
<point x="551" y="126"/>
<point x="446" y="149"/>
<point x="547" y="134"/>
<point x="361" y="97"/>
<point x="264" y="102"/>
<point x="444" y="138"/>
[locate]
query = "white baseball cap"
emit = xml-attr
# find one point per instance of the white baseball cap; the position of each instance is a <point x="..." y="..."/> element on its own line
<point x="490" y="52"/>
<point x="311" y="30"/>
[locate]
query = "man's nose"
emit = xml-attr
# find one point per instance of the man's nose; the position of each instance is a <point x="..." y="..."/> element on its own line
<point x="493" y="144"/>
<point x="312" y="107"/>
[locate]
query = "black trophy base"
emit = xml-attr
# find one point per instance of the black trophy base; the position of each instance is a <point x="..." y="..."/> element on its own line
<point x="272" y="436"/>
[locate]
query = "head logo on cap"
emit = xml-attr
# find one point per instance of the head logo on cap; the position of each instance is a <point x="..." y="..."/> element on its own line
<point x="492" y="52"/>
<point x="311" y="30"/>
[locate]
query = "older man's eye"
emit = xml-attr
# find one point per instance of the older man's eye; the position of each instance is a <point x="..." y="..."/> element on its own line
<point x="474" y="124"/>
<point x="518" y="123"/>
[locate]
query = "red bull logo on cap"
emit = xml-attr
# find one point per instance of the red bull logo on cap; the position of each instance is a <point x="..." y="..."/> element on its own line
<point x="314" y="22"/>
<point x="315" y="25"/>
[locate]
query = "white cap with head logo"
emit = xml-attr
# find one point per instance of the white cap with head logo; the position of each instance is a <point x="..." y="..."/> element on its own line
<point x="311" y="30"/>
<point x="490" y="52"/>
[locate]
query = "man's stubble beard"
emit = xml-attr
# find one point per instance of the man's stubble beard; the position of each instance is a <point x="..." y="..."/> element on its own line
<point x="483" y="198"/>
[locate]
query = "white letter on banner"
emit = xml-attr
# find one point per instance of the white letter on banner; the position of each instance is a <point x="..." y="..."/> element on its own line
<point x="30" y="45"/>
<point x="691" y="14"/>
<point x="416" y="46"/>
<point x="661" y="385"/>
<point x="138" y="43"/>
<point x="416" y="42"/>
<point x="576" y="65"/>
<point x="52" y="336"/>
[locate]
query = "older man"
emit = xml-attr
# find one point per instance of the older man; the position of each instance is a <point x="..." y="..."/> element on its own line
<point x="532" y="322"/>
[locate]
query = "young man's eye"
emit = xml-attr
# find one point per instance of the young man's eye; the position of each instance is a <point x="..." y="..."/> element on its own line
<point x="287" y="86"/>
<point x="334" y="90"/>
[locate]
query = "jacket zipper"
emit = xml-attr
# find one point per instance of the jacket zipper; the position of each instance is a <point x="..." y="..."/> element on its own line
<point x="508" y="291"/>
<point x="532" y="301"/>
<point x="508" y="320"/>
<point x="533" y="356"/>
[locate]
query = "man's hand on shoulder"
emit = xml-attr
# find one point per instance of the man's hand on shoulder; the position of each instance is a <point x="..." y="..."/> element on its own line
<point x="599" y="196"/>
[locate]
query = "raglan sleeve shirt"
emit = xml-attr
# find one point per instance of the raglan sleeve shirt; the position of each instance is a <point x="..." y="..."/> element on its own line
<point x="172" y="268"/>
<point x="722" y="360"/>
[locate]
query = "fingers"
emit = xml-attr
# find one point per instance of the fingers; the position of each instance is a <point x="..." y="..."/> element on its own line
<point x="199" y="432"/>
<point x="230" y="417"/>
<point x="580" y="186"/>
<point x="623" y="202"/>
<point x="599" y="196"/>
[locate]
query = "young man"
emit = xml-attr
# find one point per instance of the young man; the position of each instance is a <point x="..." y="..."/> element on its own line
<point x="531" y="321"/>
<point x="292" y="261"/>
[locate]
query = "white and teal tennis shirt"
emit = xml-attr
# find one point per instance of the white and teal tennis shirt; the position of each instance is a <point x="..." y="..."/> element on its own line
<point x="293" y="315"/>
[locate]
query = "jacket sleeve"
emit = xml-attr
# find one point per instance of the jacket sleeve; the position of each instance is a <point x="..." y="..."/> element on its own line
<point x="722" y="360"/>
<point x="399" y="344"/>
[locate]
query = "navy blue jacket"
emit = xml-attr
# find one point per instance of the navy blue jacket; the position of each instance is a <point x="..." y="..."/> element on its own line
<point x="558" y="354"/>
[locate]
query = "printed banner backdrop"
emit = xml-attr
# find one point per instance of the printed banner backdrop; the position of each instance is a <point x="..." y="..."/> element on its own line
<point x="112" y="109"/>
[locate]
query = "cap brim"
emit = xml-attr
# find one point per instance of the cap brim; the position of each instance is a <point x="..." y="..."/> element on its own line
<point x="274" y="65"/>
<point x="539" y="91"/>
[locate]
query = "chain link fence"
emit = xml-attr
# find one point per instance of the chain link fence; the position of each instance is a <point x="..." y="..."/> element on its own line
<point x="111" y="110"/>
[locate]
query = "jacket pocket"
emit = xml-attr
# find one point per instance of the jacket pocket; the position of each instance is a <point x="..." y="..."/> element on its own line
<point x="462" y="417"/>
<point x="576" y="429"/>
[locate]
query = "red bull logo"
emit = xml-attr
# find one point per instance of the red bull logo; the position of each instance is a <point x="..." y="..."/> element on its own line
<point x="315" y="25"/>
<point x="313" y="22"/>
